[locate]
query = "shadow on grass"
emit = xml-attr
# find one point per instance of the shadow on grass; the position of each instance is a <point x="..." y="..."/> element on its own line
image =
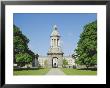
<point x="92" y="69"/>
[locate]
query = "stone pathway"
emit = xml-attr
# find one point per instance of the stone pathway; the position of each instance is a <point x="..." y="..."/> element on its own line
<point x="55" y="71"/>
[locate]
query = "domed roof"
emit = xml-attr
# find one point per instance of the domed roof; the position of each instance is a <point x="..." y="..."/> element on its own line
<point x="55" y="31"/>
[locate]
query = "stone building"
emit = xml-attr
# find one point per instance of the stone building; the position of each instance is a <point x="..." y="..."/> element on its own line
<point x="55" y="54"/>
<point x="71" y="61"/>
<point x="42" y="60"/>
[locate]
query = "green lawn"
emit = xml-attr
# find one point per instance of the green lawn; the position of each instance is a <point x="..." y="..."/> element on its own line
<point x="42" y="71"/>
<point x="70" y="71"/>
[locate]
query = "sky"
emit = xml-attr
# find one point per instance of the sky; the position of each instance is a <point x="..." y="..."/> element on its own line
<point x="38" y="27"/>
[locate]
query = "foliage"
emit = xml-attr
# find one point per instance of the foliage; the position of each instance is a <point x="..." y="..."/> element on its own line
<point x="65" y="62"/>
<point x="23" y="58"/>
<point x="20" y="41"/>
<point x="87" y="46"/>
<point x="31" y="53"/>
<point x="22" y="54"/>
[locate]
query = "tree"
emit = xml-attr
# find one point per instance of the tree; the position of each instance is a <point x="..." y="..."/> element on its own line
<point x="65" y="62"/>
<point x="31" y="53"/>
<point x="87" y="46"/>
<point x="22" y="54"/>
<point x="23" y="58"/>
<point x="20" y="41"/>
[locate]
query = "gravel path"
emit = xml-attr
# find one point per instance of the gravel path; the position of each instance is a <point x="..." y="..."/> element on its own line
<point x="55" y="71"/>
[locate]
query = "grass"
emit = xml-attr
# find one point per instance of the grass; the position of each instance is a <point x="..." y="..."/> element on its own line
<point x="42" y="71"/>
<point x="70" y="71"/>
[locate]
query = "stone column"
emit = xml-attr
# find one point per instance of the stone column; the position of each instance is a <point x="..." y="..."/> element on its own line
<point x="51" y="42"/>
<point x="54" y="42"/>
<point x="58" y="42"/>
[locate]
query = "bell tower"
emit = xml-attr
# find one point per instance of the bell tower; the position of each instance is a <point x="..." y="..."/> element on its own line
<point x="55" y="37"/>
<point x="55" y="53"/>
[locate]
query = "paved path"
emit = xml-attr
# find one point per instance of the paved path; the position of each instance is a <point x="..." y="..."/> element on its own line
<point x="55" y="71"/>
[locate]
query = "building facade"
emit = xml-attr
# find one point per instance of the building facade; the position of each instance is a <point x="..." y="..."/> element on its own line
<point x="55" y="54"/>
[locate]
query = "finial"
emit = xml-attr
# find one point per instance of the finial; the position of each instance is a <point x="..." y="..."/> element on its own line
<point x="55" y="27"/>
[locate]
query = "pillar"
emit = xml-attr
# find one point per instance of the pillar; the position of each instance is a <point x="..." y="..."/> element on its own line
<point x="54" y="42"/>
<point x="51" y="42"/>
<point x="57" y="42"/>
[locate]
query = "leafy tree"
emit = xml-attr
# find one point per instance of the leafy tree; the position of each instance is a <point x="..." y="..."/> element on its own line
<point x="23" y="58"/>
<point x="22" y="54"/>
<point x="87" y="46"/>
<point x="31" y="53"/>
<point x="65" y="62"/>
<point x="20" y="41"/>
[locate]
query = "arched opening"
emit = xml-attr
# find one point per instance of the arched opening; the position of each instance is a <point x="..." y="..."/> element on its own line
<point x="55" y="62"/>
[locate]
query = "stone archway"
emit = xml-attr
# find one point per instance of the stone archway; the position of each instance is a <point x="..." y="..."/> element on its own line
<point x="54" y="62"/>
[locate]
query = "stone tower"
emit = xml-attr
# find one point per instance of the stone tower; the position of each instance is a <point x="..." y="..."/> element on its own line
<point x="55" y="54"/>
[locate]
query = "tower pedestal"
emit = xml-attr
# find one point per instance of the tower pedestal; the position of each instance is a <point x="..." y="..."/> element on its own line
<point x="55" y="54"/>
